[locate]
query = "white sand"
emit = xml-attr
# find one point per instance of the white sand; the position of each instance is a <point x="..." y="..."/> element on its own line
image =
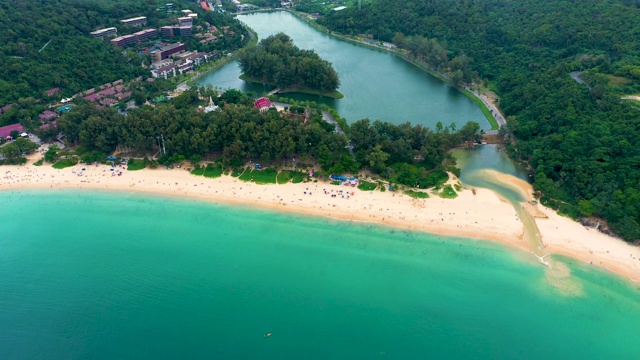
<point x="482" y="215"/>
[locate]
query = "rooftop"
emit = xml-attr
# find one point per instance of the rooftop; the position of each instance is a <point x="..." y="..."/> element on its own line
<point x="6" y="130"/>
<point x="53" y="91"/>
<point x="47" y="115"/>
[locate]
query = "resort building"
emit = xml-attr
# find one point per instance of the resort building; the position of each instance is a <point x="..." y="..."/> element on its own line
<point x="123" y="40"/>
<point x="53" y="91"/>
<point x="103" y="33"/>
<point x="136" y="21"/>
<point x="164" y="72"/>
<point x="6" y="131"/>
<point x="166" y="31"/>
<point x="47" y="115"/>
<point x="6" y="108"/>
<point x="185" y="21"/>
<point x="145" y="34"/>
<point x="167" y="51"/>
<point x="185" y="31"/>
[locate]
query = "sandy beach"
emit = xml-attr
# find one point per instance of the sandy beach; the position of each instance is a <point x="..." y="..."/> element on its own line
<point x="478" y="214"/>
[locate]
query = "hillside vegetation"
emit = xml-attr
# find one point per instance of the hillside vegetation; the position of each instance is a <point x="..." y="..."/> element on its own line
<point x="581" y="140"/>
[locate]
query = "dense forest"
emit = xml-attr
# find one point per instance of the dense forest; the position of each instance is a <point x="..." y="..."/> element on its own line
<point x="404" y="154"/>
<point x="72" y="59"/>
<point x="278" y="61"/>
<point x="581" y="139"/>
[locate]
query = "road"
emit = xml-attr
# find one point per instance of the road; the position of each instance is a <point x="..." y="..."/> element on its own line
<point x="326" y="117"/>
<point x="491" y="106"/>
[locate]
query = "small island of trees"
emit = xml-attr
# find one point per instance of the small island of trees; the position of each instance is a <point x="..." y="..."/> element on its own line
<point x="277" y="61"/>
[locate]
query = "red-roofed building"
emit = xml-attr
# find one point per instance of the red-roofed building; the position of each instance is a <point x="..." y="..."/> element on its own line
<point x="109" y="91"/>
<point x="7" y="107"/>
<point x="93" y="97"/>
<point x="262" y="104"/>
<point x="47" y="125"/>
<point x="53" y="91"/>
<point x="47" y="115"/>
<point x="108" y="102"/>
<point x="5" y="131"/>
<point x="124" y="95"/>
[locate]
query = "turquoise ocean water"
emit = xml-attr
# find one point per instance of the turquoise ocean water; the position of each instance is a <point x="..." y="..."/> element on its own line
<point x="98" y="275"/>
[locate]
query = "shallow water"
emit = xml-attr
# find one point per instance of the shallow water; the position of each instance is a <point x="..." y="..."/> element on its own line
<point x="114" y="275"/>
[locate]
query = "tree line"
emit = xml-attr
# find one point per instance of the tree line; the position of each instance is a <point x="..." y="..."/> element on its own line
<point x="237" y="133"/>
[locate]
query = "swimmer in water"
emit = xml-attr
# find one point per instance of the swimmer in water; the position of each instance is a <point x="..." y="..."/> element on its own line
<point x="268" y="334"/>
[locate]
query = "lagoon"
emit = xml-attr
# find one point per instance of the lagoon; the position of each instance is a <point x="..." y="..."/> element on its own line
<point x="376" y="84"/>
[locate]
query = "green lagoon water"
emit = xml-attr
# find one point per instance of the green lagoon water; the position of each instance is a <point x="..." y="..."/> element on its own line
<point x="376" y="84"/>
<point x="97" y="275"/>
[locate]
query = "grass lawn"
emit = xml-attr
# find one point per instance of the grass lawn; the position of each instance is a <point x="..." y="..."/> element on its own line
<point x="212" y="171"/>
<point x="246" y="175"/>
<point x="198" y="171"/>
<point x="485" y="110"/>
<point x="65" y="163"/>
<point x="417" y="194"/>
<point x="237" y="172"/>
<point x="136" y="164"/>
<point x="367" y="186"/>
<point x="448" y="193"/>
<point x="266" y="176"/>
<point x="289" y="175"/>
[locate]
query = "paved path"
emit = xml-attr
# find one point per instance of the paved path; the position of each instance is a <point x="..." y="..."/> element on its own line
<point x="491" y="106"/>
<point x="326" y="117"/>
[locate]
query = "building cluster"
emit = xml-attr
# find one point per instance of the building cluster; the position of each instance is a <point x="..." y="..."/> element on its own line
<point x="183" y="28"/>
<point x="108" y="94"/>
<point x="212" y="34"/>
<point x="240" y="7"/>
<point x="111" y="31"/>
<point x="173" y="59"/>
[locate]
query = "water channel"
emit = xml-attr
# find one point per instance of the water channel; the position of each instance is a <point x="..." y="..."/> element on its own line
<point x="376" y="84"/>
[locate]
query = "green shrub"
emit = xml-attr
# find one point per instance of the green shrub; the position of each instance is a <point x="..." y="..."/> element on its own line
<point x="65" y="163"/>
<point x="367" y="186"/>
<point x="212" y="171"/>
<point x="136" y="164"/>
<point x="417" y="194"/>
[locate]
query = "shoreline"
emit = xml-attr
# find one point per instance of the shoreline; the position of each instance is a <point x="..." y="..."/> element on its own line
<point x="337" y="95"/>
<point x="466" y="216"/>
